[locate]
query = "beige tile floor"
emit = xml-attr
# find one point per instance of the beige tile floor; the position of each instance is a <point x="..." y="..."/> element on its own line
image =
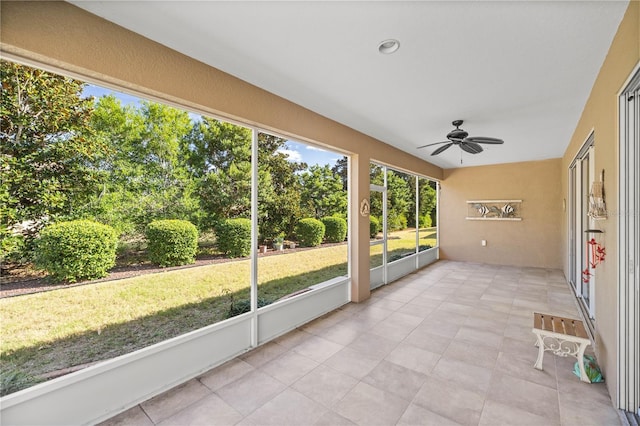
<point x="449" y="344"/>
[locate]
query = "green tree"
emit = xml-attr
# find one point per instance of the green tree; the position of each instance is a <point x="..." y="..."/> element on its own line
<point x="279" y="189"/>
<point x="167" y="185"/>
<point x="46" y="147"/>
<point x="427" y="200"/>
<point x="322" y="192"/>
<point x="341" y="169"/>
<point x="219" y="157"/>
<point x="399" y="199"/>
<point x="146" y="174"/>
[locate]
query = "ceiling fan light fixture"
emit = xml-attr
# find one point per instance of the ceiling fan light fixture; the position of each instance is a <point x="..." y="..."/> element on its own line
<point x="388" y="46"/>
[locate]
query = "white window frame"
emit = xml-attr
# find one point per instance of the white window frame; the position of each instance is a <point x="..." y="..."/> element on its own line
<point x="629" y="245"/>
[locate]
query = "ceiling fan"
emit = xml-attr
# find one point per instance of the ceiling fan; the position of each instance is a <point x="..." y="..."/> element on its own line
<point x="461" y="138"/>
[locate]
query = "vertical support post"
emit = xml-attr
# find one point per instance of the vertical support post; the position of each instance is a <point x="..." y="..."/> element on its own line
<point x="359" y="228"/>
<point x="254" y="236"/>
<point x="438" y="189"/>
<point x="385" y="224"/>
<point x="417" y="224"/>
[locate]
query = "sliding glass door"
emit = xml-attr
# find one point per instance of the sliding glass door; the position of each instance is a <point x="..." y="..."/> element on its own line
<point x="629" y="248"/>
<point x="581" y="226"/>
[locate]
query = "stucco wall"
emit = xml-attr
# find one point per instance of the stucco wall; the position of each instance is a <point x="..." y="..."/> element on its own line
<point x="534" y="241"/>
<point x="601" y="115"/>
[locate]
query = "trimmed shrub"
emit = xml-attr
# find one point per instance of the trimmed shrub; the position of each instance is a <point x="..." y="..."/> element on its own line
<point x="172" y="242"/>
<point x="310" y="232"/>
<point x="76" y="250"/>
<point x="374" y="226"/>
<point x="425" y="221"/>
<point x="335" y="229"/>
<point x="233" y="237"/>
<point x="397" y="222"/>
<point x="12" y="248"/>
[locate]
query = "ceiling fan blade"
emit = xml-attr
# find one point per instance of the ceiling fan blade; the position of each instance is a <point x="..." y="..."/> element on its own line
<point x="442" y="148"/>
<point x="471" y="147"/>
<point x="435" y="143"/>
<point x="482" y="139"/>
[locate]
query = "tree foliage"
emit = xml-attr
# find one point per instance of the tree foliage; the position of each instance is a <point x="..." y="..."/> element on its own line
<point x="428" y="199"/>
<point x="341" y="169"/>
<point x="322" y="192"/>
<point x="279" y="189"/>
<point x="145" y="174"/>
<point x="401" y="199"/>
<point x="219" y="158"/>
<point x="64" y="156"/>
<point x="46" y="147"/>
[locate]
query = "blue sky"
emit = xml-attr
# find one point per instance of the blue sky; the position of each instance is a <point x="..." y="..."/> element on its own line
<point x="295" y="150"/>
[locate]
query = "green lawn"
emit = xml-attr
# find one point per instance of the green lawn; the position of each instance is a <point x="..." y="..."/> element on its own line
<point x="401" y="243"/>
<point x="48" y="331"/>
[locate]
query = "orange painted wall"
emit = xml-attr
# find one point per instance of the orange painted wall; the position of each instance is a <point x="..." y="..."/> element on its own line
<point x="600" y="115"/>
<point x="534" y="241"/>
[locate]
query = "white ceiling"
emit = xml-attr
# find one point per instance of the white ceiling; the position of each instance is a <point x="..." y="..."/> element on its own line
<point x="516" y="70"/>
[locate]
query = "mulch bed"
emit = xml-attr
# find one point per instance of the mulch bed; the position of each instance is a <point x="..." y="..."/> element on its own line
<point x="16" y="281"/>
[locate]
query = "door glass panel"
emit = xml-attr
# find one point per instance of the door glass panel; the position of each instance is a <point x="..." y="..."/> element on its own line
<point x="377" y="235"/>
<point x="572" y="228"/>
<point x="584" y="207"/>
<point x="582" y="276"/>
<point x="375" y="216"/>
<point x="375" y="256"/>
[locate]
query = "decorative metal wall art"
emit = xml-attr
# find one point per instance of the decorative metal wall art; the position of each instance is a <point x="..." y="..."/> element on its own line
<point x="595" y="254"/>
<point x="494" y="210"/>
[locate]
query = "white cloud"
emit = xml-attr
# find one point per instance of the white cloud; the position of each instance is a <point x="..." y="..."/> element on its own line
<point x="314" y="148"/>
<point x="293" y="155"/>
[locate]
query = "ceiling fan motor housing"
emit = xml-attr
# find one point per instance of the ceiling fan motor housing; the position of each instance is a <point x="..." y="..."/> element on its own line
<point x="457" y="134"/>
